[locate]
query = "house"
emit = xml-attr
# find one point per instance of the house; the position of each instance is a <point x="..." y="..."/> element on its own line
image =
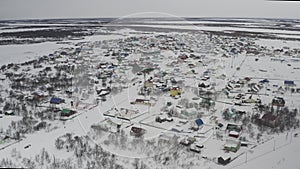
<point x="229" y="94"/>
<point x="250" y="99"/>
<point x="229" y="113"/>
<point x="38" y="95"/>
<point x="66" y="113"/>
<point x="254" y="88"/>
<point x="166" y="137"/>
<point x="280" y="90"/>
<point x="183" y="56"/>
<point x="151" y="53"/>
<point x="176" y="129"/>
<point x="289" y="83"/>
<point x="113" y="125"/>
<point x="240" y="96"/>
<point x="141" y="101"/>
<point x="234" y="134"/>
<point x="175" y="91"/>
<point x="103" y="92"/>
<point x="187" y="141"/>
<point x="70" y="90"/>
<point x="264" y="81"/>
<point x="40" y="126"/>
<point x="191" y="65"/>
<point x="194" y="148"/>
<point x="56" y="100"/>
<point x="234" y="127"/>
<point x="278" y="101"/>
<point x="269" y="119"/>
<point x="220" y="125"/>
<point x="9" y="112"/>
<point x="199" y="122"/>
<point x="148" y="83"/>
<point x="2" y="77"/>
<point x="222" y="161"/>
<point x="207" y="101"/>
<point x="232" y="145"/>
<point x="187" y="113"/>
<point x="204" y="84"/>
<point x="137" y="131"/>
<point x="48" y="86"/>
<point x="247" y="79"/>
<point x="161" y="119"/>
<point x="206" y="73"/>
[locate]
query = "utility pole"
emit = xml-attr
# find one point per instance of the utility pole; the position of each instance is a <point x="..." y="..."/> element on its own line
<point x="274" y="145"/>
<point x="233" y="57"/>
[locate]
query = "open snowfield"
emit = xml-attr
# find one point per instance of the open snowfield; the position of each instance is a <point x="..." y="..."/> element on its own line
<point x="26" y="52"/>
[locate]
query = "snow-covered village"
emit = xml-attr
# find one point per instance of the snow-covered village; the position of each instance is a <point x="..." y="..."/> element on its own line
<point x="150" y="93"/>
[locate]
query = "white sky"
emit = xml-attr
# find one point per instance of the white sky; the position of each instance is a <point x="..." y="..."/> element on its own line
<point x="37" y="9"/>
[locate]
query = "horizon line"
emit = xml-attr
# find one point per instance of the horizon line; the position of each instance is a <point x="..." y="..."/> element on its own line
<point x="150" y="17"/>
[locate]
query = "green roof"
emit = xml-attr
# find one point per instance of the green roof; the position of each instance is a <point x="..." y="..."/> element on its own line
<point x="65" y="111"/>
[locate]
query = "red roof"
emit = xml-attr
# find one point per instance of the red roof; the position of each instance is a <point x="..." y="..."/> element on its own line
<point x="269" y="117"/>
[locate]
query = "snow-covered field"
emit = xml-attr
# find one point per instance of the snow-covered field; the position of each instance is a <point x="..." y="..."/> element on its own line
<point x="25" y="52"/>
<point x="145" y="76"/>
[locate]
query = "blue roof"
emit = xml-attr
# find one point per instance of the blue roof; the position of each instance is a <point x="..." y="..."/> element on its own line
<point x="199" y="122"/>
<point x="110" y="67"/>
<point x="55" y="100"/>
<point x="289" y="82"/>
<point x="264" y="81"/>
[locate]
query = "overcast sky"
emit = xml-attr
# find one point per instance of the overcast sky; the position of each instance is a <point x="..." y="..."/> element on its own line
<point x="37" y="9"/>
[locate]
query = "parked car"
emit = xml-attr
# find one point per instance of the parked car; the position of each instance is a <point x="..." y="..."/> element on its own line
<point x="27" y="146"/>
